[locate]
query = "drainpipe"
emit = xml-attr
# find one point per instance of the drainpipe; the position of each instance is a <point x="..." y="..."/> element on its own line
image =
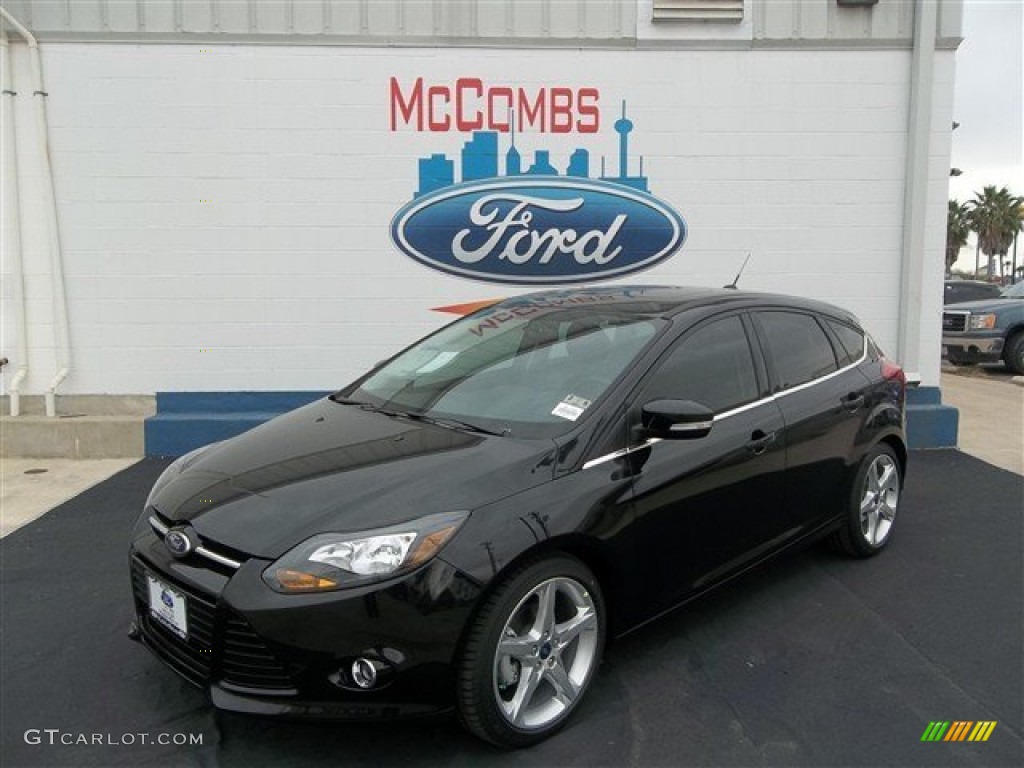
<point x="12" y="223"/>
<point x="60" y="304"/>
<point x="916" y="194"/>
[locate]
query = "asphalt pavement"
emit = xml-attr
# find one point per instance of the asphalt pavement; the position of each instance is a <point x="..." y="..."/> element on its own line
<point x="816" y="660"/>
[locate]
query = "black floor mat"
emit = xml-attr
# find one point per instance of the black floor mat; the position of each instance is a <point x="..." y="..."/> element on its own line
<point x="817" y="660"/>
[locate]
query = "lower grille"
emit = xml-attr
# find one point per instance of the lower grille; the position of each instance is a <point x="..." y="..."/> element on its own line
<point x="954" y="321"/>
<point x="246" y="660"/>
<point x="220" y="645"/>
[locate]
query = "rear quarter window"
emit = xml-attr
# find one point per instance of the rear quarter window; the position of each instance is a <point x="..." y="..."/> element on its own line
<point x="851" y="342"/>
<point x="798" y="347"/>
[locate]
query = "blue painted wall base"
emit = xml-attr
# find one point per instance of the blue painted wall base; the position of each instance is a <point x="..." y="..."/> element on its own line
<point x="930" y="424"/>
<point x="187" y="420"/>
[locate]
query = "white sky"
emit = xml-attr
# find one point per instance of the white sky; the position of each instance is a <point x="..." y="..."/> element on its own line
<point x="989" y="98"/>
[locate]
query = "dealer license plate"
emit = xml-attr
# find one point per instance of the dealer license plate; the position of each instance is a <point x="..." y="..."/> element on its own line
<point x="167" y="605"/>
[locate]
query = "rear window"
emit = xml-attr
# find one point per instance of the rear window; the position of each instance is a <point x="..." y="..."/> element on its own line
<point x="799" y="349"/>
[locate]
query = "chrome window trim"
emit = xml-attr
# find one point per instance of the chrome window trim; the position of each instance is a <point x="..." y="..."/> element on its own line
<point x="621" y="452"/>
<point x="740" y="409"/>
<point x="161" y="530"/>
<point x="827" y="376"/>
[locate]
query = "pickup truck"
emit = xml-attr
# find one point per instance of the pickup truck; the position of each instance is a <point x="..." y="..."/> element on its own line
<point x="986" y="331"/>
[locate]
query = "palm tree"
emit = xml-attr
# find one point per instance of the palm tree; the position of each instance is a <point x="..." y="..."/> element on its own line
<point x="995" y="215"/>
<point x="957" y="229"/>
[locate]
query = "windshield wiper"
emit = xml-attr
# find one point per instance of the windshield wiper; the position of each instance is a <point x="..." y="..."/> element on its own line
<point x="447" y="421"/>
<point x="367" y="406"/>
<point x="441" y="421"/>
<point x="335" y="398"/>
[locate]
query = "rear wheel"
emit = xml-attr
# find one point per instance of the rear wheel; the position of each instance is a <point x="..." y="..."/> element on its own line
<point x="959" y="359"/>
<point x="874" y="501"/>
<point x="1013" y="355"/>
<point x="531" y="652"/>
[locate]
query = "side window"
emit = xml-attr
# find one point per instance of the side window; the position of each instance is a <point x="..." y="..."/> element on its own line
<point x="851" y="341"/>
<point x="798" y="346"/>
<point x="712" y="366"/>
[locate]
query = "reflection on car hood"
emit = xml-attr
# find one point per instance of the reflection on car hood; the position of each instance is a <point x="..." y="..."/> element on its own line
<point x="333" y="467"/>
<point x="989" y="305"/>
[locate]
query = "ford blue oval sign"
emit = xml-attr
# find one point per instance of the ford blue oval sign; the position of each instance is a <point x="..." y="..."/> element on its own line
<point x="540" y="231"/>
<point x="532" y="224"/>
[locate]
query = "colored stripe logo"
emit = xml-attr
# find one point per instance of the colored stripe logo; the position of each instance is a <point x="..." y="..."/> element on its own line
<point x="959" y="730"/>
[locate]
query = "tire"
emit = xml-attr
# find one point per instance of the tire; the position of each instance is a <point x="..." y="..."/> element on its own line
<point x="960" y="360"/>
<point x="1013" y="355"/>
<point x="872" y="505"/>
<point x="521" y="691"/>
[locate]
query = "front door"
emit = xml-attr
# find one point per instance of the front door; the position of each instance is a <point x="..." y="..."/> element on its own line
<point x="705" y="507"/>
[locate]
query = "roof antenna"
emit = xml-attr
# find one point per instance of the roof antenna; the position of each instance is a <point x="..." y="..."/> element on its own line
<point x="736" y="280"/>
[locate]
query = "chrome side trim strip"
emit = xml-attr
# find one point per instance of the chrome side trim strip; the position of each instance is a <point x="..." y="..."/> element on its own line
<point x="620" y="452"/>
<point x="826" y="377"/>
<point x="740" y="409"/>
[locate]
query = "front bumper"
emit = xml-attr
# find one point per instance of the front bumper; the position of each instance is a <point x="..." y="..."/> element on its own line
<point x="973" y="349"/>
<point x="256" y="651"/>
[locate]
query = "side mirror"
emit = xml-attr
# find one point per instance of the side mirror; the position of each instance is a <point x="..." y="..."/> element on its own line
<point x="677" y="419"/>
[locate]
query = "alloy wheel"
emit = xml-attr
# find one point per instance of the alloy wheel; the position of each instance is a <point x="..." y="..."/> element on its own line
<point x="546" y="652"/>
<point x="879" y="500"/>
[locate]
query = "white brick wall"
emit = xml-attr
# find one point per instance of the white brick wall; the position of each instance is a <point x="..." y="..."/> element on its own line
<point x="286" y="278"/>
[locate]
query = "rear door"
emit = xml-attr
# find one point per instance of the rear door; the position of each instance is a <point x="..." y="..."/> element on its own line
<point x="822" y="396"/>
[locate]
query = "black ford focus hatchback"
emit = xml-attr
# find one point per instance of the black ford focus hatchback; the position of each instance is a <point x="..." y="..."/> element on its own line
<point x="468" y="524"/>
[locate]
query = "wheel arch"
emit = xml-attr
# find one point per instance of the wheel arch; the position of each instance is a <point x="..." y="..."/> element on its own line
<point x="588" y="550"/>
<point x="897" y="444"/>
<point x="1016" y="330"/>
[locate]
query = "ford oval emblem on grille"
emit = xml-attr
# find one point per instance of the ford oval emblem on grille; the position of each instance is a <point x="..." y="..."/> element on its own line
<point x="178" y="542"/>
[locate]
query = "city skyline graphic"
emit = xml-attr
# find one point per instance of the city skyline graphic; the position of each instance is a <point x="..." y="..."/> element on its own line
<point x="480" y="160"/>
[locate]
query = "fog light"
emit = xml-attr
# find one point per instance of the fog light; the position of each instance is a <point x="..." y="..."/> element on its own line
<point x="364" y="673"/>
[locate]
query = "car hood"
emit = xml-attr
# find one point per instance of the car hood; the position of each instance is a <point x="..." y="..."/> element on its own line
<point x="989" y="305"/>
<point x="333" y="467"/>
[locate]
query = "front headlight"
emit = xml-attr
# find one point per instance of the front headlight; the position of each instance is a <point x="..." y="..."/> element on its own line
<point x="338" y="560"/>
<point x="982" y="322"/>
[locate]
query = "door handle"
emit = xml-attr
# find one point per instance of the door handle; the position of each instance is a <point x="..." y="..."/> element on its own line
<point x="759" y="441"/>
<point x="852" y="401"/>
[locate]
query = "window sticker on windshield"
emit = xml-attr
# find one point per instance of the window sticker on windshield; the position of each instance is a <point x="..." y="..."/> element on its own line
<point x="571" y="407"/>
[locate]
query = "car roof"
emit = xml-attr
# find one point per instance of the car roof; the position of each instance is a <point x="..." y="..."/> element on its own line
<point x="665" y="301"/>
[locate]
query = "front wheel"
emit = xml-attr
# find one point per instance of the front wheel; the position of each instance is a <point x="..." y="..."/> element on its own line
<point x="1013" y="355"/>
<point x="874" y="501"/>
<point x="531" y="652"/>
<point x="959" y="359"/>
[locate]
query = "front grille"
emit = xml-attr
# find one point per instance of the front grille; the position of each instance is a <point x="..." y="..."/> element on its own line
<point x="223" y="561"/>
<point x="220" y="645"/>
<point x="191" y="658"/>
<point x="954" y="321"/>
<point x="246" y="660"/>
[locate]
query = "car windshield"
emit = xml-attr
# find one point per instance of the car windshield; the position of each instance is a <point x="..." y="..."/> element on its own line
<point x="1015" y="291"/>
<point x="522" y="368"/>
